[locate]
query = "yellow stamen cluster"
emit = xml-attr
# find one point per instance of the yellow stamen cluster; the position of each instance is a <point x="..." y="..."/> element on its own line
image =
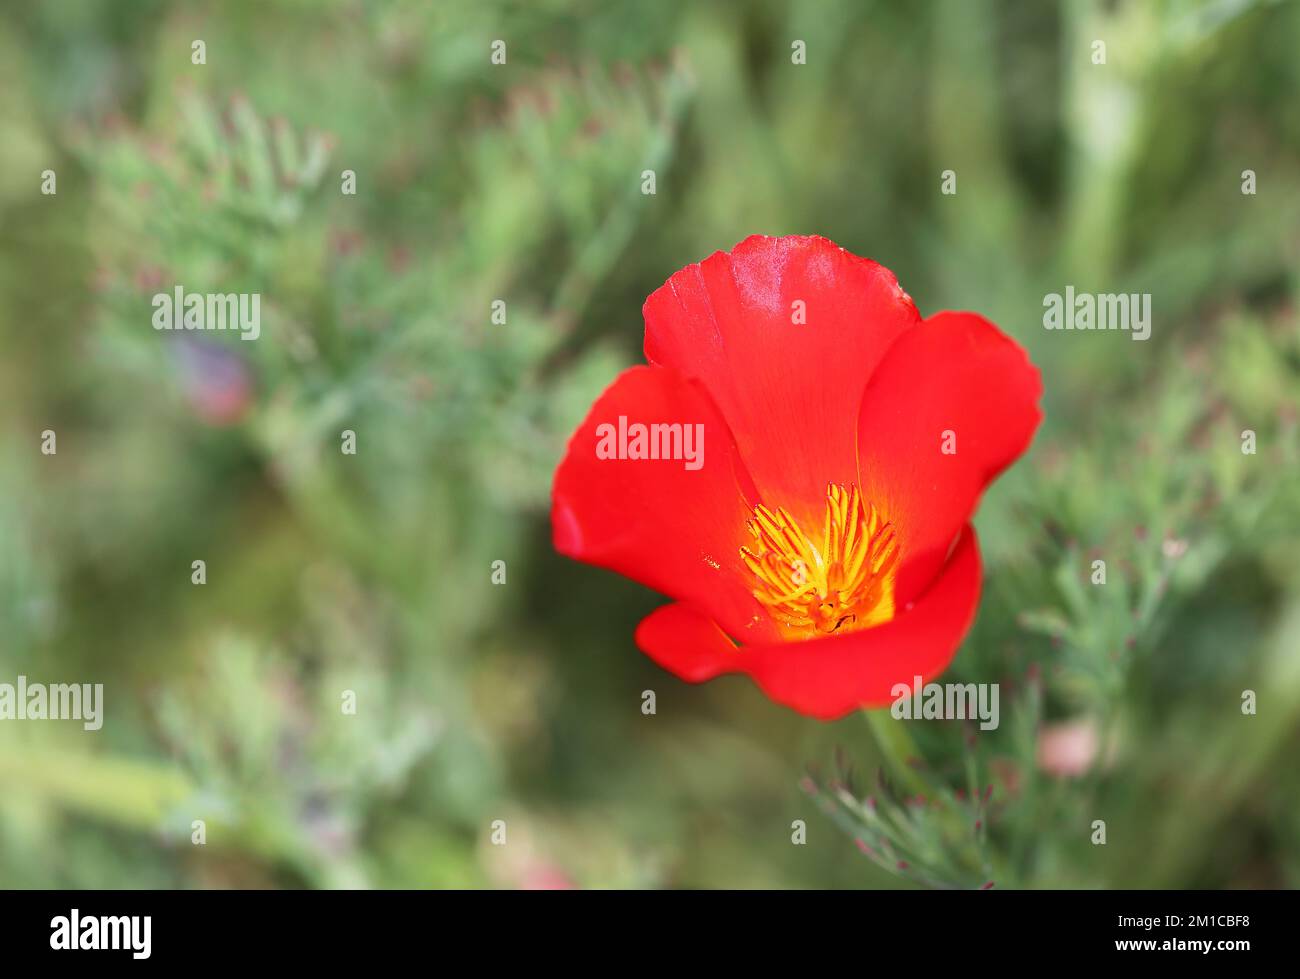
<point x="846" y="584"/>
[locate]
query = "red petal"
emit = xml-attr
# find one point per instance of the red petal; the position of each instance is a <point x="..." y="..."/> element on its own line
<point x="829" y="677"/>
<point x="790" y="392"/>
<point x="674" y="529"/>
<point x="955" y="372"/>
<point x="687" y="643"/>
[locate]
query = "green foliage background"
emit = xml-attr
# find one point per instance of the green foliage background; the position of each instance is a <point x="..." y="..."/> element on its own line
<point x="522" y="702"/>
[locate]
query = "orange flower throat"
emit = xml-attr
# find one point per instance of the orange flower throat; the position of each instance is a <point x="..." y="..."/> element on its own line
<point x="846" y="584"/>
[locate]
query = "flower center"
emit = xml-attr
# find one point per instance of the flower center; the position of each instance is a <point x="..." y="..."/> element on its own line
<point x="846" y="584"/>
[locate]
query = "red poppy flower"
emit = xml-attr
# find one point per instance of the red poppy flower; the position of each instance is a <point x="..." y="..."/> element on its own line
<point x="797" y="468"/>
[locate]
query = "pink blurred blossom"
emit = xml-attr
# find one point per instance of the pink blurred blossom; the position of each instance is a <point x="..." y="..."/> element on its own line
<point x="1068" y="749"/>
<point x="545" y="877"/>
<point x="217" y="382"/>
